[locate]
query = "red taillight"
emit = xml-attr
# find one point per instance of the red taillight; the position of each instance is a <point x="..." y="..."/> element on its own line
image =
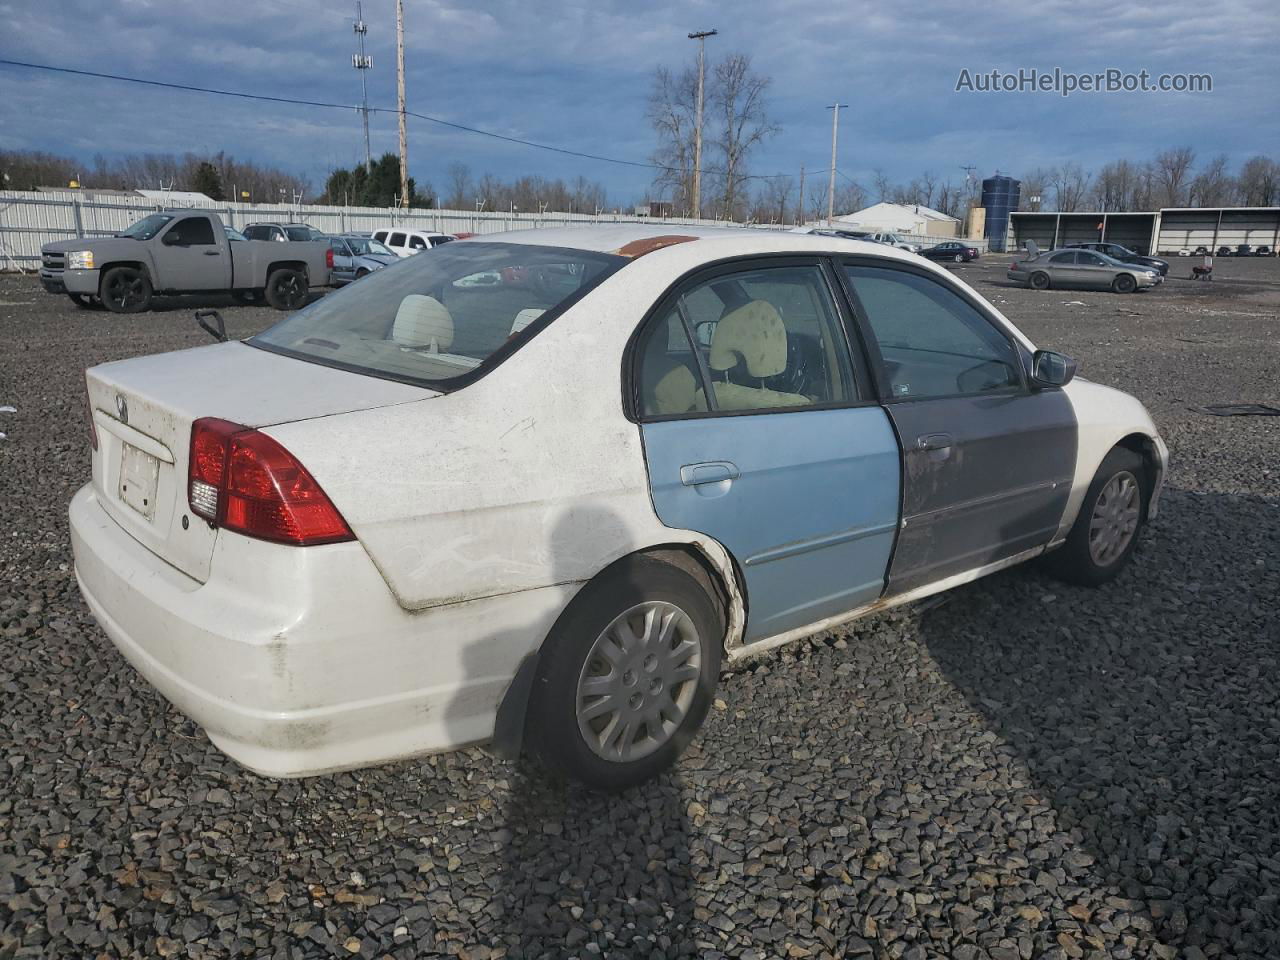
<point x="88" y="412"/>
<point x="245" y="481"/>
<point x="328" y="258"/>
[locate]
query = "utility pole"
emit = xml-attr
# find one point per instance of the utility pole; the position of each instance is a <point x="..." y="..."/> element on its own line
<point x="701" y="37"/>
<point x="831" y="188"/>
<point x="800" y="214"/>
<point x="404" y="139"/>
<point x="363" y="62"/>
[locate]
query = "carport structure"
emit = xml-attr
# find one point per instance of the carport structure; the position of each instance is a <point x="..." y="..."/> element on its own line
<point x="1164" y="231"/>
<point x="1049" y="230"/>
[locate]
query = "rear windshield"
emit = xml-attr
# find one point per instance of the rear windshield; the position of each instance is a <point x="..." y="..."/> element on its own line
<point x="441" y="320"/>
<point x="147" y="227"/>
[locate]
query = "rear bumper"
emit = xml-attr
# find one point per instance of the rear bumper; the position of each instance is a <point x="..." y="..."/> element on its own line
<point x="299" y="661"/>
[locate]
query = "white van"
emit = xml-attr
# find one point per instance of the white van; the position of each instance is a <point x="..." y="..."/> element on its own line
<point x="405" y="243"/>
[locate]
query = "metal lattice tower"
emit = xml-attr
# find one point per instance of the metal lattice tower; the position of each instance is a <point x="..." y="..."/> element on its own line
<point x="362" y="62"/>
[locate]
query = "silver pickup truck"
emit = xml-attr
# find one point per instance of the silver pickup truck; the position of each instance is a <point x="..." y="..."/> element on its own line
<point x="183" y="251"/>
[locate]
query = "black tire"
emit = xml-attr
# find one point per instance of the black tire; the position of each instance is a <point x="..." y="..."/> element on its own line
<point x="86" y="301"/>
<point x="246" y="298"/>
<point x="1124" y="283"/>
<point x="286" y="289"/>
<point x="125" y="290"/>
<point x="554" y="735"/>
<point x="360" y="274"/>
<point x="1039" y="280"/>
<point x="1075" y="561"/>
<point x="958" y="258"/>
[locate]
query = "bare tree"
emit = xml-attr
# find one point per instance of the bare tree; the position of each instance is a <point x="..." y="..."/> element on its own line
<point x="671" y="113"/>
<point x="1070" y="184"/>
<point x="850" y="197"/>
<point x="774" y="199"/>
<point x="951" y="200"/>
<point x="1114" y="186"/>
<point x="1213" y="186"/>
<point x="738" y="93"/>
<point x="882" y="185"/>
<point x="1035" y="185"/>
<point x="1173" y="174"/>
<point x="1259" y="182"/>
<point x="459" y="181"/>
<point x="735" y="123"/>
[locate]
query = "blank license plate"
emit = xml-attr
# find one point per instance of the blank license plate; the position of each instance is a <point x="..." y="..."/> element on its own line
<point x="139" y="477"/>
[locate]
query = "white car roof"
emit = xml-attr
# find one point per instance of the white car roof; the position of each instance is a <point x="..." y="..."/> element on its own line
<point x="711" y="243"/>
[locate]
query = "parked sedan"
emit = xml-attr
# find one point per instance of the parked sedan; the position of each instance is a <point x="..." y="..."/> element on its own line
<point x="1124" y="255"/>
<point x="1083" y="269"/>
<point x="951" y="250"/>
<point x="544" y="508"/>
<point x="1262" y="251"/>
<point x="1225" y="251"/>
<point x="355" y="257"/>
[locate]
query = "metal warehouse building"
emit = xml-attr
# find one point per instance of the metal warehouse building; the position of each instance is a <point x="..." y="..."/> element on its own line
<point x="1163" y="231"/>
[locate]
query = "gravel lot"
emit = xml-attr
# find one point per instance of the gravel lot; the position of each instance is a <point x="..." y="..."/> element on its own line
<point x="1026" y="770"/>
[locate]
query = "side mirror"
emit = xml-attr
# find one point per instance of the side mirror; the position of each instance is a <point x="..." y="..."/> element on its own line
<point x="172" y="239"/>
<point x="1051" y="369"/>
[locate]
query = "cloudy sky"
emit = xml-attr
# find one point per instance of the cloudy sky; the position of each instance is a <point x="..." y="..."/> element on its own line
<point x="575" y="74"/>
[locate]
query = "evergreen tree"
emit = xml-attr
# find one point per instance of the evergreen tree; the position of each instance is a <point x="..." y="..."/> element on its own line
<point x="206" y="180"/>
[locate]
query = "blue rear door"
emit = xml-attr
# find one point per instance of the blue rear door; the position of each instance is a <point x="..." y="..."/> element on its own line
<point x="762" y="438"/>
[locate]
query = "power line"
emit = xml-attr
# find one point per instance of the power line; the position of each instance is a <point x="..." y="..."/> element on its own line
<point x="242" y="95"/>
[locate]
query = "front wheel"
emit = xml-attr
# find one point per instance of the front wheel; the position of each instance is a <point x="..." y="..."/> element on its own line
<point x="1106" y="530"/>
<point x="287" y="289"/>
<point x="1124" y="283"/>
<point x="1040" y="280"/>
<point x="627" y="675"/>
<point x="125" y="290"/>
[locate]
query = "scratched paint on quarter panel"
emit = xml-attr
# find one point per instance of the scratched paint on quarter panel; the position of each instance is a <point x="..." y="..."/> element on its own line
<point x="1000" y="489"/>
<point x="810" y="517"/>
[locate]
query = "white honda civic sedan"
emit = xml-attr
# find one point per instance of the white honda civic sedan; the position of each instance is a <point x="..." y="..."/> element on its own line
<point x="535" y="488"/>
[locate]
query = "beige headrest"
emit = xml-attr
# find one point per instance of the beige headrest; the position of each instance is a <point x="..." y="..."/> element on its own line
<point x="676" y="392"/>
<point x="423" y="321"/>
<point x="753" y="333"/>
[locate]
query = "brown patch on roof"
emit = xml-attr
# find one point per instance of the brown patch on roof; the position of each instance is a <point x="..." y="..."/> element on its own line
<point x="638" y="248"/>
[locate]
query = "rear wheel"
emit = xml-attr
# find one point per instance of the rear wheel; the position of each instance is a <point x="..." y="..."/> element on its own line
<point x="1039" y="280"/>
<point x="1124" y="283"/>
<point x="287" y="289"/>
<point x="626" y="678"/>
<point x="125" y="290"/>
<point x="958" y="258"/>
<point x="1106" y="531"/>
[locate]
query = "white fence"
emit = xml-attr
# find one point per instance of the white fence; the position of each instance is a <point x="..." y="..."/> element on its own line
<point x="29" y="220"/>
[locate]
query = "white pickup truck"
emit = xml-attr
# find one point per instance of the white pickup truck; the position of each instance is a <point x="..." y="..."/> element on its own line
<point x="183" y="251"/>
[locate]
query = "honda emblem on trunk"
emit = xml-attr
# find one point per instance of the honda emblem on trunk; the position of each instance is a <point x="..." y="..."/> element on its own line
<point x="122" y="408"/>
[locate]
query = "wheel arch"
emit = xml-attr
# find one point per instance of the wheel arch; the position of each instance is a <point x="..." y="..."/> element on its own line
<point x="1144" y="446"/>
<point x="298" y="265"/>
<point x="705" y="560"/>
<point x="135" y="264"/>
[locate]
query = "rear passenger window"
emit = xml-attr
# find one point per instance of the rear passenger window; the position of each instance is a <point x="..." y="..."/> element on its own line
<point x="766" y="339"/>
<point x="932" y="341"/>
<point x="397" y="240"/>
<point x="417" y="243"/>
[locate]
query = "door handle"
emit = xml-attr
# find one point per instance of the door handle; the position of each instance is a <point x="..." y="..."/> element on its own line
<point x="714" y="471"/>
<point x="934" y="441"/>
<point x="212" y="253"/>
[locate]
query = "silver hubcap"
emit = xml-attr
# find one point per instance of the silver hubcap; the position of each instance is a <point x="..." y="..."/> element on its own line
<point x="639" y="681"/>
<point x="1115" y="518"/>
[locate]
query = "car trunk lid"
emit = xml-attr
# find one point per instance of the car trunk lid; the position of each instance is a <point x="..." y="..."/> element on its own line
<point x="143" y="409"/>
